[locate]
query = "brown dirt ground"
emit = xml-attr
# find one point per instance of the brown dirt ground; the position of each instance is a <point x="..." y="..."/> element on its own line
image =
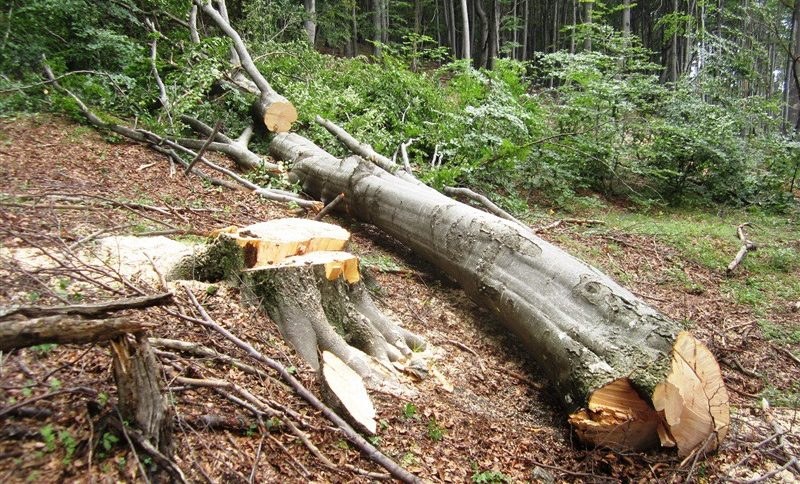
<point x="500" y="416"/>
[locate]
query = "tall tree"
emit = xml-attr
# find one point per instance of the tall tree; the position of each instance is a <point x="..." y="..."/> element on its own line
<point x="792" y="82"/>
<point x="465" y="37"/>
<point x="311" y="20"/>
<point x="588" y="6"/>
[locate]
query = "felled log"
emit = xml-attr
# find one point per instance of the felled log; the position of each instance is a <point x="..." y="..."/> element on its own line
<point x="297" y="270"/>
<point x="630" y="376"/>
<point x="277" y="113"/>
<point x="62" y="329"/>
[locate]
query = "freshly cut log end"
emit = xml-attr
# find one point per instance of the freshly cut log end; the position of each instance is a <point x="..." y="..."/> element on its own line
<point x="337" y="264"/>
<point x="345" y="392"/>
<point x="689" y="409"/>
<point x="269" y="243"/>
<point x="278" y="114"/>
<point x="693" y="401"/>
<point x="617" y="418"/>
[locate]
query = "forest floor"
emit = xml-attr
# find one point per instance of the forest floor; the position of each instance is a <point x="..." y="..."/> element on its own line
<point x="62" y="183"/>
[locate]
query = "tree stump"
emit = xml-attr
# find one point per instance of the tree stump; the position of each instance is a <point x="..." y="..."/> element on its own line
<point x="139" y="385"/>
<point x="297" y="271"/>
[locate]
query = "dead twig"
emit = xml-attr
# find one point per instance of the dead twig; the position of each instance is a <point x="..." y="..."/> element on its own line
<point x="93" y="309"/>
<point x="203" y="148"/>
<point x="788" y="353"/>
<point x="747" y="246"/>
<point x="329" y="207"/>
<point x="82" y="390"/>
<point x="163" y="461"/>
<point x="468" y="350"/>
<point x="574" y="221"/>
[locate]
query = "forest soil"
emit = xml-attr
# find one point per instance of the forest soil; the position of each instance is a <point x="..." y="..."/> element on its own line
<point x="500" y="415"/>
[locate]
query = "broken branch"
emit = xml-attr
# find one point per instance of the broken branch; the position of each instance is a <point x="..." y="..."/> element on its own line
<point x="747" y="246"/>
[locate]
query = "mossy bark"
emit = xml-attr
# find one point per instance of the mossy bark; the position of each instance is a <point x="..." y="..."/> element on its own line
<point x="221" y="259"/>
<point x="317" y="314"/>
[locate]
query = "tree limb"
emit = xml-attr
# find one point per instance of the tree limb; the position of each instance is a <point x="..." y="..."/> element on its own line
<point x="62" y="329"/>
<point x="93" y="309"/>
<point x="490" y="206"/>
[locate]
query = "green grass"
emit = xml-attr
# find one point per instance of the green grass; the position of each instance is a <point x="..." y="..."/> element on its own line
<point x="767" y="277"/>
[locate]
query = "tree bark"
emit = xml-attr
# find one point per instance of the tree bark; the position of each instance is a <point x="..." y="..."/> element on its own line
<point x="377" y="23"/>
<point x="792" y="82"/>
<point x="62" y="329"/>
<point x="310" y="23"/>
<point x="601" y="346"/>
<point x="626" y="22"/>
<point x="139" y="387"/>
<point x="482" y="53"/>
<point x="588" y="6"/>
<point x="465" y="37"/>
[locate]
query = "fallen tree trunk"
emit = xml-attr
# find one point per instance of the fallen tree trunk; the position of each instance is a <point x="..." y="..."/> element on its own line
<point x="62" y="329"/>
<point x="630" y="375"/>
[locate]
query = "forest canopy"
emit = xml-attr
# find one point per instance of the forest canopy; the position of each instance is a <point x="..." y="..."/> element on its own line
<point x="536" y="102"/>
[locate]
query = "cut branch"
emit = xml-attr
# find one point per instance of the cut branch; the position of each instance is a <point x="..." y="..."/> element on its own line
<point x="366" y="151"/>
<point x="747" y="246"/>
<point x="65" y="330"/>
<point x="203" y="148"/>
<point x="275" y="110"/>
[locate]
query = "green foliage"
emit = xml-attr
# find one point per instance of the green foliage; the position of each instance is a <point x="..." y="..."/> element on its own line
<point x="490" y="477"/>
<point x="44" y="349"/>
<point x="435" y="431"/>
<point x="549" y="130"/>
<point x="409" y="410"/>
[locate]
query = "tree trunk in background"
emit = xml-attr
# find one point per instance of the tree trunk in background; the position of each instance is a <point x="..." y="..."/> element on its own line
<point x="636" y="377"/>
<point x="354" y="31"/>
<point x="377" y="23"/>
<point x="626" y="22"/>
<point x="465" y="37"/>
<point x="587" y="20"/>
<point x="525" y="25"/>
<point x="494" y="35"/>
<point x="311" y="21"/>
<point x="385" y="21"/>
<point x="417" y="27"/>
<point x="574" y="26"/>
<point x="673" y="55"/>
<point x="482" y="53"/>
<point x="791" y="88"/>
<point x="515" y="33"/>
<point x="453" y="30"/>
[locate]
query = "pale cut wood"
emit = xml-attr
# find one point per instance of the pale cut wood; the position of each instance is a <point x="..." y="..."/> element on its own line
<point x="693" y="401"/>
<point x="616" y="417"/>
<point x="337" y="264"/>
<point x="277" y="112"/>
<point x="691" y="407"/>
<point x="346" y="393"/>
<point x="269" y="243"/>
